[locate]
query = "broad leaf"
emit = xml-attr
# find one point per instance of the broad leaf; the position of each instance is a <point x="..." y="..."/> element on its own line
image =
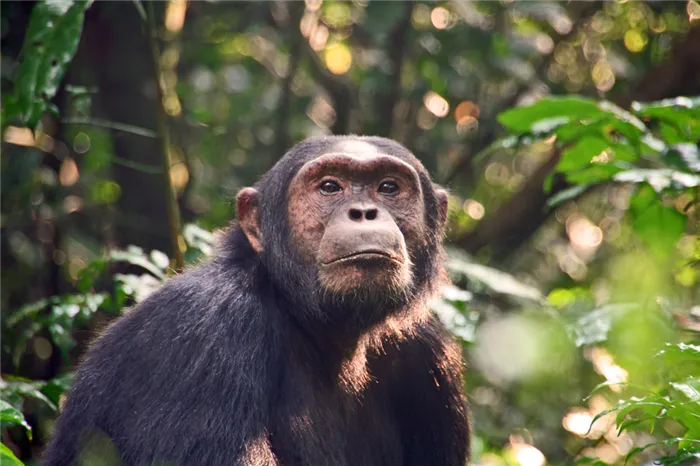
<point x="527" y="119"/>
<point x="685" y="156"/>
<point x="657" y="225"/>
<point x="15" y="389"/>
<point x="690" y="388"/>
<point x="7" y="457"/>
<point x="581" y="153"/>
<point x="594" y="326"/>
<point x="567" y="194"/>
<point x="10" y="415"/>
<point x="678" y="118"/>
<point x="49" y="45"/>
<point x="593" y="173"/>
<point x="54" y="388"/>
<point x="494" y="279"/>
<point x="666" y="105"/>
<point x="623" y="116"/>
<point x="659" y="179"/>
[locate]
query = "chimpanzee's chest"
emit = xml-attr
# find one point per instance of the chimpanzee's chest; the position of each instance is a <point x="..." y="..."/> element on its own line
<point x="313" y="427"/>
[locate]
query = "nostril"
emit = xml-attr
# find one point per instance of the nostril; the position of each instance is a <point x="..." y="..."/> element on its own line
<point x="355" y="214"/>
<point x="371" y="214"/>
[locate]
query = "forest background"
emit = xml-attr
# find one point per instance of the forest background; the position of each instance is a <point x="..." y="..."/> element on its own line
<point x="566" y="132"/>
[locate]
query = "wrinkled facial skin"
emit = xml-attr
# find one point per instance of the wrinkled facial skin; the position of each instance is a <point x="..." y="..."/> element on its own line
<point x="356" y="214"/>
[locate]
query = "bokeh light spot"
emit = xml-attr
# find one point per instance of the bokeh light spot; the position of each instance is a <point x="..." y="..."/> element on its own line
<point x="635" y="41"/>
<point x="68" y="174"/>
<point x="179" y="175"/>
<point x="338" y="58"/>
<point x="436" y="104"/>
<point x="474" y="209"/>
<point x="577" y="422"/>
<point x="440" y="17"/>
<point x="175" y="15"/>
<point x="693" y="9"/>
<point x="313" y="5"/>
<point x="81" y="143"/>
<point x="19" y="136"/>
<point x="603" y="76"/>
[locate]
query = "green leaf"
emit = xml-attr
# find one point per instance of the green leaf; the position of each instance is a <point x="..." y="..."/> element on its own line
<point x="660" y="179"/>
<point x="567" y="194"/>
<point x="629" y="423"/>
<point x="573" y="132"/>
<point x="199" y="238"/>
<point x="7" y="457"/>
<point x="494" y="279"/>
<point x="15" y="389"/>
<point x="451" y="308"/>
<point x="581" y="153"/>
<point x="66" y="312"/>
<point x="623" y="116"/>
<point x="678" y="118"/>
<point x="690" y="388"/>
<point x="523" y="119"/>
<point x="54" y="388"/>
<point x="669" y="442"/>
<point x="135" y="256"/>
<point x="49" y="45"/>
<point x="27" y="311"/>
<point x="685" y="348"/>
<point x="594" y="173"/>
<point x="594" y="326"/>
<point x="10" y="415"/>
<point x="666" y="105"/>
<point x="681" y="457"/>
<point x="548" y="124"/>
<point x="685" y="156"/>
<point x="658" y="226"/>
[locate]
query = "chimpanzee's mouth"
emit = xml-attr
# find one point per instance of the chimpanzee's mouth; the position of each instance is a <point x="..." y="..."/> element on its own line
<point x="368" y="254"/>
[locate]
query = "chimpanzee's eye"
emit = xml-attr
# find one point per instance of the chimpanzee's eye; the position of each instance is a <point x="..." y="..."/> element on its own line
<point x="388" y="188"/>
<point x="330" y="187"/>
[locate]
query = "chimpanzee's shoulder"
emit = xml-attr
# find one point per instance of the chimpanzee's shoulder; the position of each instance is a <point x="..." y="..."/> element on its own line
<point x="206" y="302"/>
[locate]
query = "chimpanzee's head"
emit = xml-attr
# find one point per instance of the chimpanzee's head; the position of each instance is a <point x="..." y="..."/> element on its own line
<point x="349" y="228"/>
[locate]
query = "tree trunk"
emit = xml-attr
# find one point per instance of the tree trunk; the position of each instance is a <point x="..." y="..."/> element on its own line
<point x="118" y="49"/>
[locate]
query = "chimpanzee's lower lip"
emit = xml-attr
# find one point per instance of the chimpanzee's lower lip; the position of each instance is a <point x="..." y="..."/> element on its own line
<point x="361" y="255"/>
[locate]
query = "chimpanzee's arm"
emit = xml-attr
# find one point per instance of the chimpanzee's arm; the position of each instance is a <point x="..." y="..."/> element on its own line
<point x="428" y="399"/>
<point x="182" y="379"/>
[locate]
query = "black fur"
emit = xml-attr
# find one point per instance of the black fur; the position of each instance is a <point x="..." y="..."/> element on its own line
<point x="238" y="362"/>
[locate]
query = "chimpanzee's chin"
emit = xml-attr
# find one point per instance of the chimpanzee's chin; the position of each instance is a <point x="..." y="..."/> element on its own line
<point x="362" y="307"/>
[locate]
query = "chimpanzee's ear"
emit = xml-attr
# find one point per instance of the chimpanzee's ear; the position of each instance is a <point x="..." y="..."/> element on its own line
<point x="442" y="201"/>
<point x="247" y="203"/>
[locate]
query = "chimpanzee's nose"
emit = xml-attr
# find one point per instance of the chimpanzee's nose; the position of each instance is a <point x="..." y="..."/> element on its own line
<point x="359" y="212"/>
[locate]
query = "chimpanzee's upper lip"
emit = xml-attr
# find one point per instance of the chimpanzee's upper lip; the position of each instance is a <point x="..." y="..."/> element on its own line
<point x="364" y="252"/>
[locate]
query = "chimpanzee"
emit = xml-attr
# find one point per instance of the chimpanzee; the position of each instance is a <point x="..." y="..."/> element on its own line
<point x="307" y="340"/>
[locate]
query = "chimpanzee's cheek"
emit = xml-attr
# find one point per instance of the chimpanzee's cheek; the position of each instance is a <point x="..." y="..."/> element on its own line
<point x="306" y="224"/>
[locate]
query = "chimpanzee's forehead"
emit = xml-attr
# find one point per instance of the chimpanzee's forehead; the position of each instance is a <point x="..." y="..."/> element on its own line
<point x="355" y="148"/>
<point x="363" y="149"/>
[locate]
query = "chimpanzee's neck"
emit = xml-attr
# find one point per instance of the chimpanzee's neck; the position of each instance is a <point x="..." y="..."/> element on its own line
<point x="326" y="352"/>
<point x="338" y="357"/>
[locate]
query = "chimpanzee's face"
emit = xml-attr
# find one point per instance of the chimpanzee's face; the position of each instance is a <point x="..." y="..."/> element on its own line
<point x="357" y="222"/>
<point x="357" y="214"/>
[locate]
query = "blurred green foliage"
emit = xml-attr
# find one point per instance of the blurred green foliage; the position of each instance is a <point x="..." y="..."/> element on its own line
<point x="567" y="133"/>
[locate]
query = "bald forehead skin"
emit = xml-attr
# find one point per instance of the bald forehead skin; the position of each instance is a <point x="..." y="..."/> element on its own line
<point x="357" y="156"/>
<point x="355" y="148"/>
